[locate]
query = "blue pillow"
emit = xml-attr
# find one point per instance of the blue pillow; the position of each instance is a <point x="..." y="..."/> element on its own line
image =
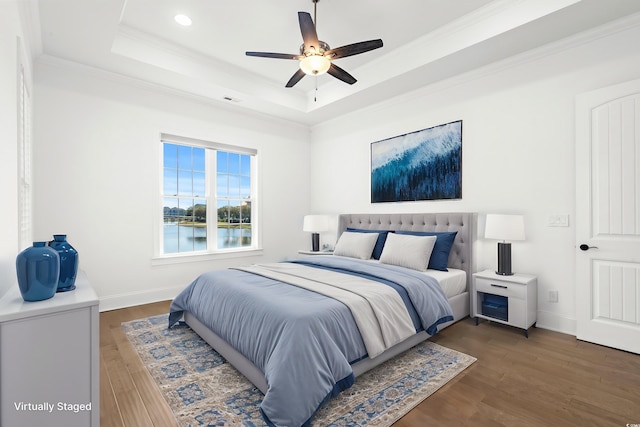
<point x="440" y="255"/>
<point x="382" y="237"/>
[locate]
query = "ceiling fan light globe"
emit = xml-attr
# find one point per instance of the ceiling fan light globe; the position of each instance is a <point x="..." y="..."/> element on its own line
<point x="315" y="64"/>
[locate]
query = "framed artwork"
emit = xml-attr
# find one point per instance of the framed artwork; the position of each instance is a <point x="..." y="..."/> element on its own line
<point x="421" y="165"/>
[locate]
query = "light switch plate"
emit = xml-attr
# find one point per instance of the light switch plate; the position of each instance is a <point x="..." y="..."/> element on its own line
<point x="558" y="220"/>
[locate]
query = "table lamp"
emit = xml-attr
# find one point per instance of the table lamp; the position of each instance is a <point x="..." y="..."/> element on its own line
<point x="504" y="227"/>
<point x="315" y="224"/>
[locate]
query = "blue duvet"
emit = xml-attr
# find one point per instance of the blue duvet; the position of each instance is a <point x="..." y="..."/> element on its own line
<point x="303" y="341"/>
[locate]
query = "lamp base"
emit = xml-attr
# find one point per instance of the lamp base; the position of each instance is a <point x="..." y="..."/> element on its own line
<point x="315" y="242"/>
<point x="504" y="259"/>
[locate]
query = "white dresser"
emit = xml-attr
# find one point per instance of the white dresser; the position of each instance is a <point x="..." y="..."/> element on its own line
<point x="50" y="359"/>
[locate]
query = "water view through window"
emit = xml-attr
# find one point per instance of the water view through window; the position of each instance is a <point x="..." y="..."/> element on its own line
<point x="180" y="238"/>
<point x="186" y="199"/>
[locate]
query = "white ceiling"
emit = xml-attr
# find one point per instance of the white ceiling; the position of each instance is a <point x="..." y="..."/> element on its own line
<point x="425" y="41"/>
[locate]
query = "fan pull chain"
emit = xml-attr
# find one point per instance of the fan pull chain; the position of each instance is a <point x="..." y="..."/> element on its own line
<point x="315" y="94"/>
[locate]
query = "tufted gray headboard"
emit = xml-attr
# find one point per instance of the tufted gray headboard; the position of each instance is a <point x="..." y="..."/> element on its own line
<point x="461" y="256"/>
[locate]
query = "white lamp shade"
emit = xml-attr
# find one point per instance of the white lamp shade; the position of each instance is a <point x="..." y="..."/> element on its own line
<point x="504" y="227"/>
<point x="315" y="223"/>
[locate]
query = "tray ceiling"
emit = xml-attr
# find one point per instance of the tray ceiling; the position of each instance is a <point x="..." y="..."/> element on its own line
<point x="425" y="41"/>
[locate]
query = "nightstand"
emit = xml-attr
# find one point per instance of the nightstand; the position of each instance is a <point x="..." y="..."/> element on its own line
<point x="510" y="300"/>
<point x="315" y="252"/>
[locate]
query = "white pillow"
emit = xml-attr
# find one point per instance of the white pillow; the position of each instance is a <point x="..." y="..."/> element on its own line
<point x="408" y="251"/>
<point x="356" y="245"/>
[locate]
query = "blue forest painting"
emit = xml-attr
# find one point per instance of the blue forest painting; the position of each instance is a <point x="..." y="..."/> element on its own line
<point x="422" y="165"/>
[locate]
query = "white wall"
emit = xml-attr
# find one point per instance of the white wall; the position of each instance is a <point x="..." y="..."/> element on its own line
<point x="11" y="31"/>
<point x="97" y="171"/>
<point x="518" y="152"/>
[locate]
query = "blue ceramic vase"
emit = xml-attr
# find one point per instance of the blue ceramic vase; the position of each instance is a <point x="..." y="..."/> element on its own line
<point x="38" y="269"/>
<point x="68" y="262"/>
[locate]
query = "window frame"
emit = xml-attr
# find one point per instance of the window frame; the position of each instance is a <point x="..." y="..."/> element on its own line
<point x="25" y="149"/>
<point x="211" y="198"/>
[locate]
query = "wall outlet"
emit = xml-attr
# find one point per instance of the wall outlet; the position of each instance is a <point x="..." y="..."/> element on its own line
<point x="553" y="296"/>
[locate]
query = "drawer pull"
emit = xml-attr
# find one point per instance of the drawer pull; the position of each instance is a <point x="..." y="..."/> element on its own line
<point x="499" y="286"/>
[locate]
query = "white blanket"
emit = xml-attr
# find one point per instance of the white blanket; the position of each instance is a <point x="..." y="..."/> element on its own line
<point x="378" y="310"/>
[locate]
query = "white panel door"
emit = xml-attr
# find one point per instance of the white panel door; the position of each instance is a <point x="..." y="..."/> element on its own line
<point x="608" y="216"/>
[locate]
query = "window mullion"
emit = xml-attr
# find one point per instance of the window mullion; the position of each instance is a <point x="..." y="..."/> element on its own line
<point x="212" y="209"/>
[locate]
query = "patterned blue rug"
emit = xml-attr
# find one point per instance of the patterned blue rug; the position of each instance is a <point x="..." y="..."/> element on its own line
<point x="202" y="389"/>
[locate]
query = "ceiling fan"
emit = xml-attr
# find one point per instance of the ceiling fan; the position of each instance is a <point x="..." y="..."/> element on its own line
<point x="316" y="56"/>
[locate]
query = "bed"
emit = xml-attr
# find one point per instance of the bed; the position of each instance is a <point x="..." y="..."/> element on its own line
<point x="291" y="361"/>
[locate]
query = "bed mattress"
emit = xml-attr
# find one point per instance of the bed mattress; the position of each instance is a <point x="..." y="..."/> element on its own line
<point x="452" y="282"/>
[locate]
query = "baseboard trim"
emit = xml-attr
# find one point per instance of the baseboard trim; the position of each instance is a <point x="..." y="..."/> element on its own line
<point x="130" y="299"/>
<point x="554" y="322"/>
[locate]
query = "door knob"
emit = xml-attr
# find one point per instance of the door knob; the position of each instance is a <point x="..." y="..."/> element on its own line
<point x="586" y="247"/>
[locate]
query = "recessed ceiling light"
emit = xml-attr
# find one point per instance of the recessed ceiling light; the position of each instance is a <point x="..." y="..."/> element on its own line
<point x="183" y="20"/>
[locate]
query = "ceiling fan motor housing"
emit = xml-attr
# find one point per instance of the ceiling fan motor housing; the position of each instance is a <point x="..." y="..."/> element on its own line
<point x="322" y="48"/>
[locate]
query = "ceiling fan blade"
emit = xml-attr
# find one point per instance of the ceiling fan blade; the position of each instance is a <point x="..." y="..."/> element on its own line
<point x="273" y="55"/>
<point x="308" y="30"/>
<point x="295" y="78"/>
<point x="353" y="49"/>
<point x="341" y="74"/>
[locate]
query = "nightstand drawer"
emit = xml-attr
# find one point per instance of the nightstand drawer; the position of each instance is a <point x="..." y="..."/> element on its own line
<point x="497" y="287"/>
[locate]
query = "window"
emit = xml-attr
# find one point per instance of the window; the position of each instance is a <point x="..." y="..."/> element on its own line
<point x="208" y="197"/>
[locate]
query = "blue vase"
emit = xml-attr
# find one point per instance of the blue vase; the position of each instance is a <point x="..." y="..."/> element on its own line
<point x="38" y="268"/>
<point x="68" y="262"/>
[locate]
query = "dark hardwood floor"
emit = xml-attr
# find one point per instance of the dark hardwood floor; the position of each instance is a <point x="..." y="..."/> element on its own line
<point x="550" y="379"/>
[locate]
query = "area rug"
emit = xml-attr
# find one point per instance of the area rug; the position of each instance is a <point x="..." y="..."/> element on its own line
<point x="202" y="389"/>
